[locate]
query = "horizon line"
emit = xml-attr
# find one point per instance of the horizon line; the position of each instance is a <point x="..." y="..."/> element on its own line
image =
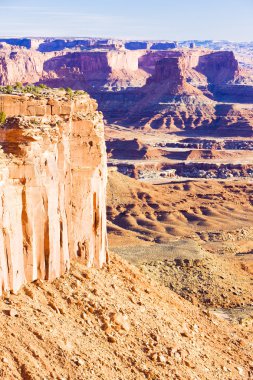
<point x="123" y="39"/>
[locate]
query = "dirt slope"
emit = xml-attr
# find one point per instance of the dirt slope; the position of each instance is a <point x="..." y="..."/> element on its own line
<point x="115" y="324"/>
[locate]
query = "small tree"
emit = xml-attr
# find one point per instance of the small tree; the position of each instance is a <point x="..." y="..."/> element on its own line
<point x="2" y="118"/>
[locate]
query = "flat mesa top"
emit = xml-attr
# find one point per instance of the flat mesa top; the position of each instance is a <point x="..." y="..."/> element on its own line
<point x="41" y="91"/>
<point x="43" y="101"/>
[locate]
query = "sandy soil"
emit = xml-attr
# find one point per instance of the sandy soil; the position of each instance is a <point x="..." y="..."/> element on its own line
<point x="115" y="323"/>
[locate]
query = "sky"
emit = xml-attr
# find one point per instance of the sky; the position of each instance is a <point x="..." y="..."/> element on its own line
<point x="129" y="19"/>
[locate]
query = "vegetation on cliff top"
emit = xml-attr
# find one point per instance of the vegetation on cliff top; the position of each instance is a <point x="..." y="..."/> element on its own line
<point x="37" y="90"/>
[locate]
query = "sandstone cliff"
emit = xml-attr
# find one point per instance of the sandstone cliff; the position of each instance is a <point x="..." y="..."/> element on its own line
<point x="219" y="67"/>
<point x="53" y="184"/>
<point x="20" y="65"/>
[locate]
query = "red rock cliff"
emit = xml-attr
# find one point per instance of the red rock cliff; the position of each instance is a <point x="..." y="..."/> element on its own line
<point x="171" y="70"/>
<point x="52" y="187"/>
<point x="219" y="67"/>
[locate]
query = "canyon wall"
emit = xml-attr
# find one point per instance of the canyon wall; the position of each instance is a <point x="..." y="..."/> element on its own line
<point x="172" y="89"/>
<point x="20" y="65"/>
<point x="100" y="70"/>
<point x="219" y="67"/>
<point x="105" y="69"/>
<point x="53" y="187"/>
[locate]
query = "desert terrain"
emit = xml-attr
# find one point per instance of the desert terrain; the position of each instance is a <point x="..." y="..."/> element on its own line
<point x="173" y="296"/>
<point x="134" y="328"/>
<point x="182" y="233"/>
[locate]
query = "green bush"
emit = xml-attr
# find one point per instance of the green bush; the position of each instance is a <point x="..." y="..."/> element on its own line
<point x="9" y="89"/>
<point x="31" y="89"/>
<point x="43" y="86"/>
<point x="69" y="90"/>
<point x="2" y="118"/>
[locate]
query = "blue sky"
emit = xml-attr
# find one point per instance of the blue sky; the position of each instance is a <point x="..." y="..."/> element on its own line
<point x="130" y="19"/>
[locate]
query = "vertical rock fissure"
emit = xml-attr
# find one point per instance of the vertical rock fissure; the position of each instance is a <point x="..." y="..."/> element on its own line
<point x="46" y="237"/>
<point x="27" y="246"/>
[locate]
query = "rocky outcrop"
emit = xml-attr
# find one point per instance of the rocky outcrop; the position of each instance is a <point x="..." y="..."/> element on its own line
<point x="234" y="120"/>
<point x="170" y="102"/>
<point x="97" y="71"/>
<point x="126" y="149"/>
<point x="171" y="70"/>
<point x="219" y="67"/>
<point x="18" y="65"/>
<point x="53" y="184"/>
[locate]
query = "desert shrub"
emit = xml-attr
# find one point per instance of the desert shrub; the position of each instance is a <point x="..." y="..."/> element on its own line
<point x="43" y="86"/>
<point x="32" y="89"/>
<point x="9" y="89"/>
<point x="36" y="90"/>
<point x="28" y="88"/>
<point x="69" y="92"/>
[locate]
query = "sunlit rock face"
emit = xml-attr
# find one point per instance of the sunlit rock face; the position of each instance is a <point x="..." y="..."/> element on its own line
<point x="52" y="187"/>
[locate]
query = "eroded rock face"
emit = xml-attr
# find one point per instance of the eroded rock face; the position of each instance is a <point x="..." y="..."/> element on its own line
<point x="171" y="69"/>
<point x="99" y="70"/>
<point x="18" y="65"/>
<point x="219" y="67"/>
<point x="52" y="190"/>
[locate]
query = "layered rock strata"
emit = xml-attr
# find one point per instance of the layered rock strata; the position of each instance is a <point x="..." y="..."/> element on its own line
<point x="53" y="185"/>
<point x="173" y="89"/>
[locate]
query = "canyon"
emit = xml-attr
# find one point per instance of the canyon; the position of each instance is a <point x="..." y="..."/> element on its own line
<point x="173" y="299"/>
<point x="174" y="112"/>
<point x="143" y="85"/>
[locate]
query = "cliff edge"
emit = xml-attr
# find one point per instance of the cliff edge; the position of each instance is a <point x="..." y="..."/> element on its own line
<point x="52" y="186"/>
